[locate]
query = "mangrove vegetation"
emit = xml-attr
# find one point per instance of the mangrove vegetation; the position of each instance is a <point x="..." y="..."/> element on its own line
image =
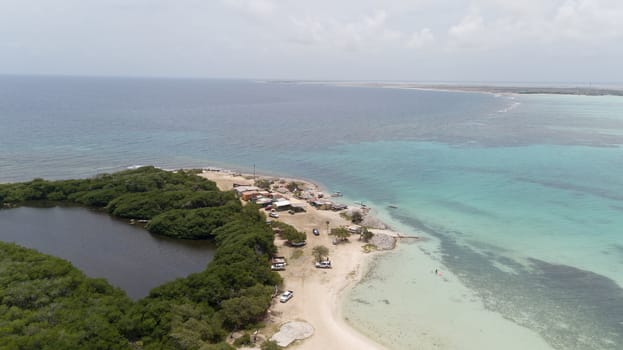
<point x="45" y="303"/>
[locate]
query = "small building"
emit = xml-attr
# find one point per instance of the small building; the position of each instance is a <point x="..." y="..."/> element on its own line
<point x="242" y="189"/>
<point x="249" y="195"/>
<point x="263" y="201"/>
<point x="278" y="196"/>
<point x="322" y="204"/>
<point x="298" y="208"/>
<point x="282" y="205"/>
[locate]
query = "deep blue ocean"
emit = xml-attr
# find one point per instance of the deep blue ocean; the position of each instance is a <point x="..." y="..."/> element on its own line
<point x="523" y="194"/>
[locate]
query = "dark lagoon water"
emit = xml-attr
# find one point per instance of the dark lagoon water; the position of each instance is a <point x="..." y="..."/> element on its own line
<point x="521" y="197"/>
<point x="127" y="256"/>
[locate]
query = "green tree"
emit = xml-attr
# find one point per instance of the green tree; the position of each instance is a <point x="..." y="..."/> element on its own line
<point x="294" y="236"/>
<point x="366" y="234"/>
<point x="292" y="186"/>
<point x="219" y="346"/>
<point x="237" y="312"/>
<point x="356" y="217"/>
<point x="341" y="233"/>
<point x="244" y="340"/>
<point x="270" y="345"/>
<point x="290" y="233"/>
<point x="263" y="183"/>
<point x="46" y="303"/>
<point x="319" y="252"/>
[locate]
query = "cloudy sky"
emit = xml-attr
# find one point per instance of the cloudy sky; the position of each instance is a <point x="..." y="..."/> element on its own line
<point x="415" y="40"/>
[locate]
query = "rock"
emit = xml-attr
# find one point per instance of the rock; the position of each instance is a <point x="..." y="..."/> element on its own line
<point x="383" y="241"/>
<point x="291" y="331"/>
<point x="373" y="222"/>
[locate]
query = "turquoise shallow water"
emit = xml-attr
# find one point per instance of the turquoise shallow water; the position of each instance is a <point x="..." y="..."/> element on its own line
<point x="561" y="203"/>
<point x="517" y="225"/>
<point x="521" y="196"/>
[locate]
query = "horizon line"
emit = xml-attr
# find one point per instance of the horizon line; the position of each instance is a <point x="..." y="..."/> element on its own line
<point x="314" y="80"/>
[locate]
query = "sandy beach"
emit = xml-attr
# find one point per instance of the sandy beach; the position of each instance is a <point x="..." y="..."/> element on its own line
<point x="447" y="317"/>
<point x="317" y="292"/>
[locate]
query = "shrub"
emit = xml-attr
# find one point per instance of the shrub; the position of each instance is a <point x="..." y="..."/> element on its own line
<point x="356" y="217"/>
<point x="245" y="339"/>
<point x="263" y="183"/>
<point x="270" y="345"/>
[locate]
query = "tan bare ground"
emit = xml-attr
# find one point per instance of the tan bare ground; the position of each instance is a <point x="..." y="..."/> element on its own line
<point x="317" y="292"/>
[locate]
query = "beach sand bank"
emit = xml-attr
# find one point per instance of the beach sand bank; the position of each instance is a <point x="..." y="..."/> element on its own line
<point x="317" y="292"/>
<point x="443" y="315"/>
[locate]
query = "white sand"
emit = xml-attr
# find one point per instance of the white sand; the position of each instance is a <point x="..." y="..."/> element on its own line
<point x="316" y="291"/>
<point x="443" y="315"/>
<point x="292" y="331"/>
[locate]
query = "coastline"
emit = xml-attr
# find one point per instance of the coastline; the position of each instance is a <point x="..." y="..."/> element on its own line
<point x="479" y="88"/>
<point x="445" y="314"/>
<point x="338" y="308"/>
<point x="318" y="293"/>
<point x="457" y="181"/>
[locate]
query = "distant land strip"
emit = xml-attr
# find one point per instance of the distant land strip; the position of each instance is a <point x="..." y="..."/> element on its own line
<point x="494" y="89"/>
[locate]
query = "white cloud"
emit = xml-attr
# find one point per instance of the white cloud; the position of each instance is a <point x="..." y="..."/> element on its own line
<point x="492" y="24"/>
<point x="421" y="39"/>
<point x="370" y="32"/>
<point x="259" y="8"/>
<point x="469" y="32"/>
<point x="589" y="20"/>
<point x="268" y="37"/>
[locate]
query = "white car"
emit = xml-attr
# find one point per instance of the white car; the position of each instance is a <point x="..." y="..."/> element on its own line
<point x="278" y="266"/>
<point x="286" y="296"/>
<point x="274" y="215"/>
<point x="326" y="264"/>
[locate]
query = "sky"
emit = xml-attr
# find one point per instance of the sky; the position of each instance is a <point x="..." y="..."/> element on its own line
<point x="389" y="40"/>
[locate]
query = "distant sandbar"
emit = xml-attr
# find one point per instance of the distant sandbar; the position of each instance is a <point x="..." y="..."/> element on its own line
<point x="481" y="88"/>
